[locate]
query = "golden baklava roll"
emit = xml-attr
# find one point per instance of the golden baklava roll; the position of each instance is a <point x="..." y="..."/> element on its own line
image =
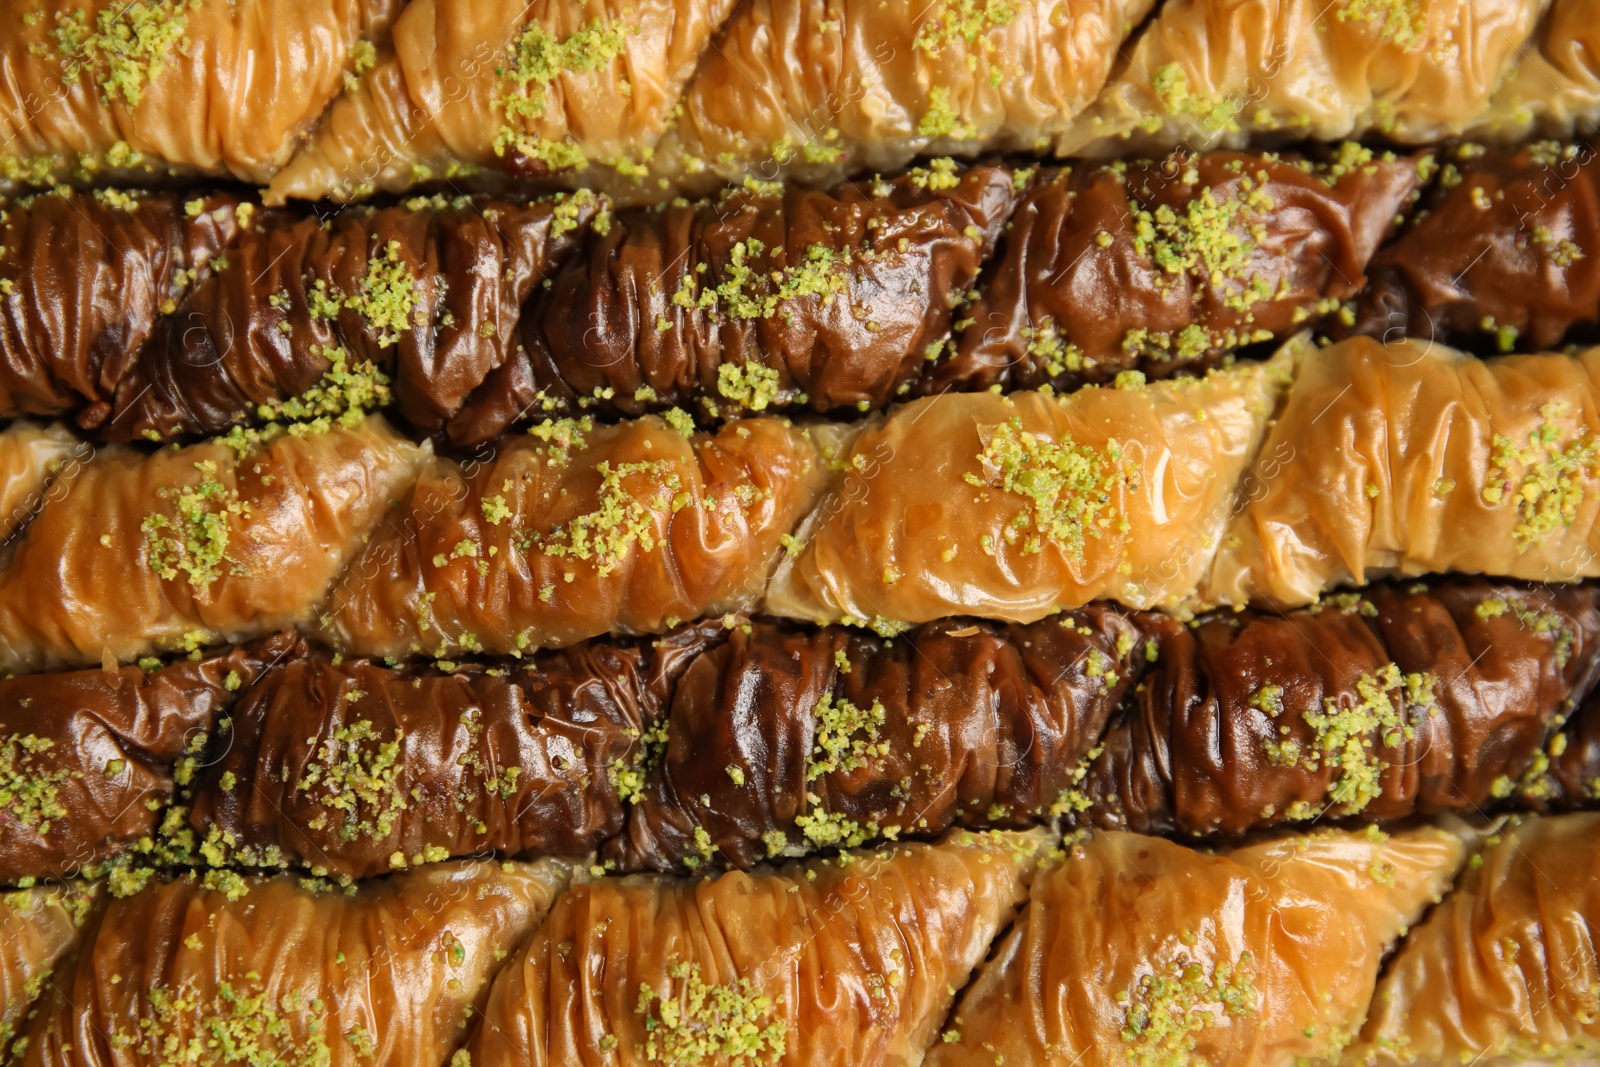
<point x="33" y="460"/>
<point x="39" y="926"/>
<point x="1554" y="88"/>
<point x="1210" y="73"/>
<point x="817" y="89"/>
<point x="1138" y="950"/>
<point x="1010" y="507"/>
<point x="530" y="89"/>
<point x="1504" y="970"/>
<point x="227" y="540"/>
<point x="288" y="971"/>
<point x="144" y="89"/>
<point x="1170" y="264"/>
<point x="90" y="758"/>
<point x="576" y="530"/>
<point x="1411" y="458"/>
<point x="850" y="960"/>
<point x="1378" y="705"/>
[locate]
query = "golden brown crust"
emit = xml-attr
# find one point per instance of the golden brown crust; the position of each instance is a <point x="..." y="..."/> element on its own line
<point x="616" y="528"/>
<point x="38" y="927"/>
<point x="1134" y="949"/>
<point x="274" y="971"/>
<point x="1506" y="968"/>
<point x="143" y="553"/>
<point x="844" y="961"/>
<point x="1210" y="73"/>
<point x="1412" y="459"/>
<point x="215" y="87"/>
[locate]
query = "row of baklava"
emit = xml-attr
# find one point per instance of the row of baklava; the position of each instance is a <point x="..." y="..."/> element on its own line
<point x="158" y="316"/>
<point x="1268" y="483"/>
<point x="651" y="97"/>
<point x="1447" y="943"/>
<point x="729" y="744"/>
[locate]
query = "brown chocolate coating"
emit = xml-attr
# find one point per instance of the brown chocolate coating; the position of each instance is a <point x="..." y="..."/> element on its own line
<point x="1404" y="700"/>
<point x="84" y="281"/>
<point x="87" y="758"/>
<point x="1571" y="779"/>
<point x="835" y="295"/>
<point x="342" y="766"/>
<point x="782" y="741"/>
<point x="428" y="293"/>
<point x="1168" y="265"/>
<point x="1504" y="253"/>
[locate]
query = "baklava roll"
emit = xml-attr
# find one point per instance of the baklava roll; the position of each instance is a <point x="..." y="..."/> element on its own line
<point x="820" y="88"/>
<point x="850" y="960"/>
<point x="1411" y="458"/>
<point x="228" y="969"/>
<point x="353" y="769"/>
<point x="323" y="318"/>
<point x="1139" y="950"/>
<point x="783" y="741"/>
<point x="1166" y="265"/>
<point x="220" y="541"/>
<point x="84" y="281"/>
<point x="576" y="530"/>
<point x="33" y="460"/>
<point x="532" y="89"/>
<point x="89" y="759"/>
<point x="155" y="87"/>
<point x="1554" y="89"/>
<point x="1504" y="970"/>
<point x="1503" y="254"/>
<point x="762" y="299"/>
<point x="1213" y="73"/>
<point x="1010" y="507"/>
<point x="1379" y="704"/>
<point x="39" y="926"/>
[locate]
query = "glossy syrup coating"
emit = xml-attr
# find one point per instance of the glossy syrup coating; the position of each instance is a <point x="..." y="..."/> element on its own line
<point x="142" y="553"/>
<point x="763" y="298"/>
<point x="1376" y="705"/>
<point x="1498" y="254"/>
<point x="353" y="769"/>
<point x="201" y="969"/>
<point x="1139" y="950"/>
<point x="840" y="961"/>
<point x="1168" y="265"/>
<point x="89" y="759"/>
<point x="38" y="928"/>
<point x="783" y="741"/>
<point x="1504" y="971"/>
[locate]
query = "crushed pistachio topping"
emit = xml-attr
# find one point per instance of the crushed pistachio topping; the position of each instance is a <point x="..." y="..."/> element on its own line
<point x="963" y="20"/>
<point x="621" y="520"/>
<point x="688" y="1022"/>
<point x="237" y="1026"/>
<point x="1164" y="1011"/>
<point x="1402" y="23"/>
<point x="564" y="436"/>
<point x="1069" y="487"/>
<point x="1213" y="240"/>
<point x="194" y="539"/>
<point x="536" y="58"/>
<point x="750" y="385"/>
<point x="1171" y="86"/>
<point x="29" y="793"/>
<point x="846" y="738"/>
<point x="358" y="774"/>
<point x="942" y="119"/>
<point x="346" y="392"/>
<point x="628" y="773"/>
<point x="1344" y="735"/>
<point x="387" y="297"/>
<point x="127" y="47"/>
<point x="1547" y="479"/>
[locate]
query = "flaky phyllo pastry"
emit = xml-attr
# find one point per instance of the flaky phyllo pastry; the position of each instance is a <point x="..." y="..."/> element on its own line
<point x="799" y="533"/>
